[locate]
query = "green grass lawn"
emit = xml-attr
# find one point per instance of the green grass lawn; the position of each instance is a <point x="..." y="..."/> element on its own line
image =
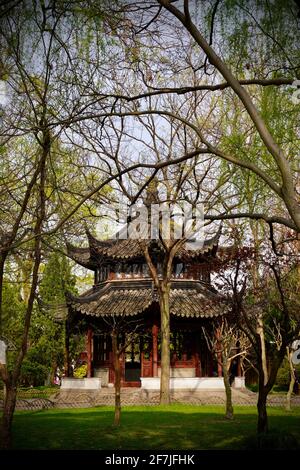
<point x="152" y="427"/>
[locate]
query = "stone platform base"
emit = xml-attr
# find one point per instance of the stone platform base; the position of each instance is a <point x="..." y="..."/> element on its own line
<point x="186" y="383"/>
<point x="70" y="383"/>
<point x="192" y="383"/>
<point x="153" y="383"/>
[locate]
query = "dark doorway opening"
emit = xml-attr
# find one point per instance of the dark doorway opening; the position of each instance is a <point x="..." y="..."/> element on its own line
<point x="133" y="362"/>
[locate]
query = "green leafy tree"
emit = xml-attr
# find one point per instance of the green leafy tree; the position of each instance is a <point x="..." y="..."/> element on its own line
<point x="48" y="331"/>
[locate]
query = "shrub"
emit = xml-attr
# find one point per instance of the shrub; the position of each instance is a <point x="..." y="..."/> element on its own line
<point x="33" y="373"/>
<point x="81" y="371"/>
<point x="253" y="387"/>
<point x="283" y="375"/>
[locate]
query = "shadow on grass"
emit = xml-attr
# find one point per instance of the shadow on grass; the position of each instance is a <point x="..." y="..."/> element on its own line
<point x="273" y="440"/>
<point x="155" y="427"/>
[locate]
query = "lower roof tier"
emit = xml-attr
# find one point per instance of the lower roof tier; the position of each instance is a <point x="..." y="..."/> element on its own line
<point x="188" y="298"/>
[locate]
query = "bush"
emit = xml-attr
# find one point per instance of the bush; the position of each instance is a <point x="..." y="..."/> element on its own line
<point x="283" y="375"/>
<point x="253" y="387"/>
<point x="33" y="373"/>
<point x="80" y="372"/>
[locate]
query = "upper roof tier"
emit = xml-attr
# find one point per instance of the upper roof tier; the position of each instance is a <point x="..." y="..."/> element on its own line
<point x="116" y="250"/>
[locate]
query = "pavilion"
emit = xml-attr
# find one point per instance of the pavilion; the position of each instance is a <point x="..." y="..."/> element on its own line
<point x="123" y="287"/>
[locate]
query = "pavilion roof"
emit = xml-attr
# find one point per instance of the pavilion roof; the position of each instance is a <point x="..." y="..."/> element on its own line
<point x="129" y="297"/>
<point x="117" y="249"/>
<point x="82" y="256"/>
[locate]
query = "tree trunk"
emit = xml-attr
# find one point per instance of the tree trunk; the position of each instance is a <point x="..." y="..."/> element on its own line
<point x="2" y="261"/>
<point x="11" y="384"/>
<point x="264" y="389"/>
<point x="229" y="407"/>
<point x="262" y="422"/>
<point x="165" y="346"/>
<point x="51" y="375"/>
<point x="292" y="381"/>
<point x="7" y="416"/>
<point x="117" y="369"/>
<point x="261" y="332"/>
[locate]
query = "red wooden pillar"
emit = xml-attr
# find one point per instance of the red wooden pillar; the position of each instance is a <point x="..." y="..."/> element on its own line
<point x="198" y="371"/>
<point x="111" y="377"/>
<point x="154" y="351"/>
<point x="123" y="367"/>
<point x="89" y="351"/>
